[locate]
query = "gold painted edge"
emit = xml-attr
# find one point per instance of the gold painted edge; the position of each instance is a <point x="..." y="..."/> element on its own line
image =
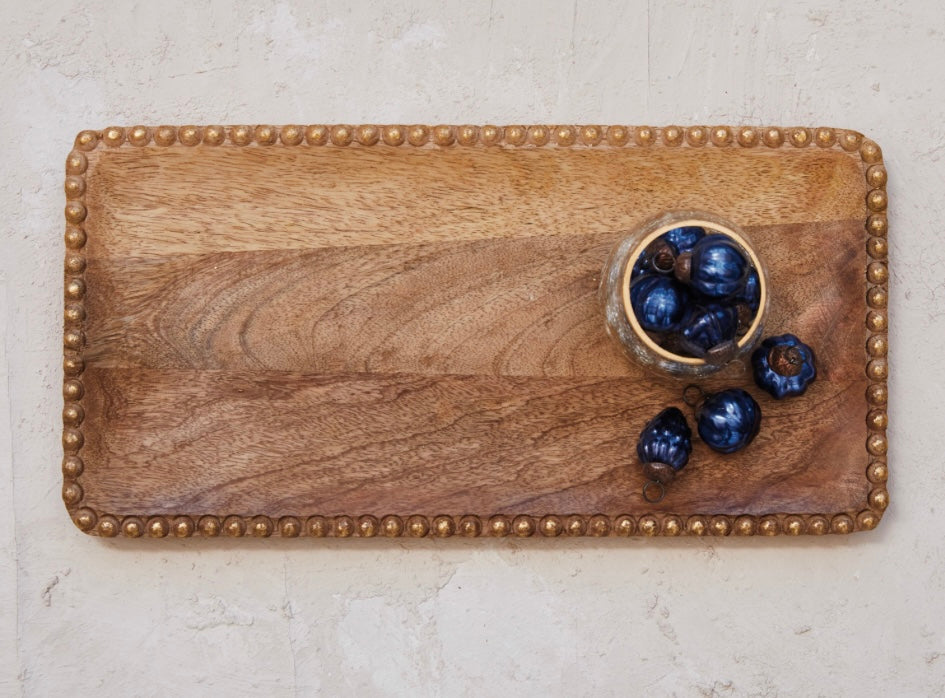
<point x="93" y="522"/>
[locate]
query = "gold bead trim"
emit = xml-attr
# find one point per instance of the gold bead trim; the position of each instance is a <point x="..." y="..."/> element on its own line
<point x="420" y="136"/>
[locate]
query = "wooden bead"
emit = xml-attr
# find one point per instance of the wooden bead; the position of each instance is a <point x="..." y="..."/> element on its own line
<point x="260" y="526"/>
<point x="341" y="135"/>
<point x="417" y="526"/>
<point x="850" y="140"/>
<point x="768" y="526"/>
<point x="165" y="135"/>
<point x="876" y="394"/>
<point x="879" y="499"/>
<point x="825" y="137"/>
<point x="71" y="493"/>
<point x="877" y="419"/>
<point x="85" y="519"/>
<point x="747" y="137"/>
<point x="241" y="135"/>
<point x="368" y="134"/>
<point x="490" y="135"/>
<point x="75" y="212"/>
<point x="793" y="525"/>
<point x="877" y="346"/>
<point x="876" y="200"/>
<point x="367" y="526"/>
<point x="73" y="365"/>
<point x="113" y="136"/>
<point x="133" y="527"/>
<point x="394" y="135"/>
<point x="290" y="527"/>
<point x="467" y="135"/>
<point x="523" y="526"/>
<point x="867" y="520"/>
<point x="76" y="163"/>
<point x="744" y="526"/>
<point x="565" y="136"/>
<point x="877" y="248"/>
<point x="418" y="135"/>
<point x="841" y="524"/>
<point x="190" y="135"/>
<point x="72" y="389"/>
<point x="591" y="135"/>
<point x="697" y="526"/>
<point x="443" y="135"/>
<point x="876" y="444"/>
<point x="876" y="297"/>
<point x="86" y="140"/>
<point x="158" y="527"/>
<point x="72" y="466"/>
<point x="817" y="526"/>
<point x="876" y="176"/>
<point x="500" y="526"/>
<point x="649" y="525"/>
<point x="877" y="472"/>
<point x="538" y="135"/>
<point x="515" y="135"/>
<point x="75" y="289"/>
<point x="672" y="526"/>
<point x="697" y="136"/>
<point x="673" y="135"/>
<point x="550" y="526"/>
<point x="721" y="136"/>
<point x="72" y="440"/>
<point x="139" y="136"/>
<point x="772" y="137"/>
<point x="234" y="526"/>
<point x="877" y="224"/>
<point x="265" y="135"/>
<point x="108" y="527"/>
<point x="342" y="527"/>
<point x="75" y="238"/>
<point x="443" y="526"/>
<point x="316" y="134"/>
<point x="800" y="137"/>
<point x="877" y="273"/>
<point x="392" y="526"/>
<point x="317" y="526"/>
<point x="74" y="263"/>
<point x="72" y="414"/>
<point x="291" y="135"/>
<point x="720" y="526"/>
<point x="470" y="526"/>
<point x="574" y="525"/>
<point x="214" y="135"/>
<point x="598" y="526"/>
<point x="624" y="525"/>
<point x="870" y="152"/>
<point x="182" y="527"/>
<point x="618" y="135"/>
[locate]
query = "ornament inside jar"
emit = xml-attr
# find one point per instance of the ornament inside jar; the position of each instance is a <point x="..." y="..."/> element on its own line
<point x="686" y="293"/>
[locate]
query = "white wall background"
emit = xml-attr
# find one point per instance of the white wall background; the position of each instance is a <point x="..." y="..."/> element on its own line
<point x="833" y="616"/>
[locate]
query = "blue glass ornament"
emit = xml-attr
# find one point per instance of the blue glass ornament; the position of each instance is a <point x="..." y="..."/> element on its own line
<point x="784" y="366"/>
<point x="666" y="438"/>
<point x="659" y="302"/>
<point x="728" y="420"/>
<point x="684" y="238"/>
<point x="750" y="294"/>
<point x="716" y="267"/>
<point x="663" y="448"/>
<point x="709" y="327"/>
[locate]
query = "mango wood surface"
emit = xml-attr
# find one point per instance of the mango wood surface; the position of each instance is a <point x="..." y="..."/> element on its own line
<point x="367" y="339"/>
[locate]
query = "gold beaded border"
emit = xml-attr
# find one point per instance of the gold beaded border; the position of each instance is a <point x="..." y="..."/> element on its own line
<point x="867" y="153"/>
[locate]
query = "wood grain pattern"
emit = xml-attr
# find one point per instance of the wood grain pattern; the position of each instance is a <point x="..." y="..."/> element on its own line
<point x="306" y="339"/>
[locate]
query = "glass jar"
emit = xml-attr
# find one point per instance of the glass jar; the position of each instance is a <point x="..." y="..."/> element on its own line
<point x="650" y="349"/>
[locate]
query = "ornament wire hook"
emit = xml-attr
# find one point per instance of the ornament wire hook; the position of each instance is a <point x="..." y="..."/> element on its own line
<point x="653" y="498"/>
<point x="693" y="395"/>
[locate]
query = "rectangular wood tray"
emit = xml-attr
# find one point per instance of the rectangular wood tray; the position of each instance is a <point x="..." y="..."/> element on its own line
<point x="394" y="330"/>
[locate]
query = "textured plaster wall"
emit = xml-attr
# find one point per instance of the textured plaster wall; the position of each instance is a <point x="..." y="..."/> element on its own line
<point x="833" y="616"/>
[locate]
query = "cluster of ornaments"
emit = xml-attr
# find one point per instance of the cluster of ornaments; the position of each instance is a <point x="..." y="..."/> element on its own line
<point x="695" y="292"/>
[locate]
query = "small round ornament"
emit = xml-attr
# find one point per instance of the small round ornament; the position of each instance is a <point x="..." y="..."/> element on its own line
<point x="715" y="267"/>
<point x="727" y="421"/>
<point x="710" y="332"/>
<point x="663" y="448"/>
<point x="684" y="238"/>
<point x="783" y="366"/>
<point x="659" y="302"/>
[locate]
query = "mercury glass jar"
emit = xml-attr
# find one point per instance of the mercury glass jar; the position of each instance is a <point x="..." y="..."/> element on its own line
<point x="690" y="275"/>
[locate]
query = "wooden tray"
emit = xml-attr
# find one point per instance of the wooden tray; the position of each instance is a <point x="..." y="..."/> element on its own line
<point x="394" y="330"/>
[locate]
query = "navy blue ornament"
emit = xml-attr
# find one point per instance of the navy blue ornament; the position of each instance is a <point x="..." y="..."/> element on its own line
<point x="784" y="366"/>
<point x="663" y="448"/>
<point x="750" y="294"/>
<point x="659" y="302"/>
<point x="715" y="267"/>
<point x="684" y="238"/>
<point x="709" y="328"/>
<point x="728" y="420"/>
